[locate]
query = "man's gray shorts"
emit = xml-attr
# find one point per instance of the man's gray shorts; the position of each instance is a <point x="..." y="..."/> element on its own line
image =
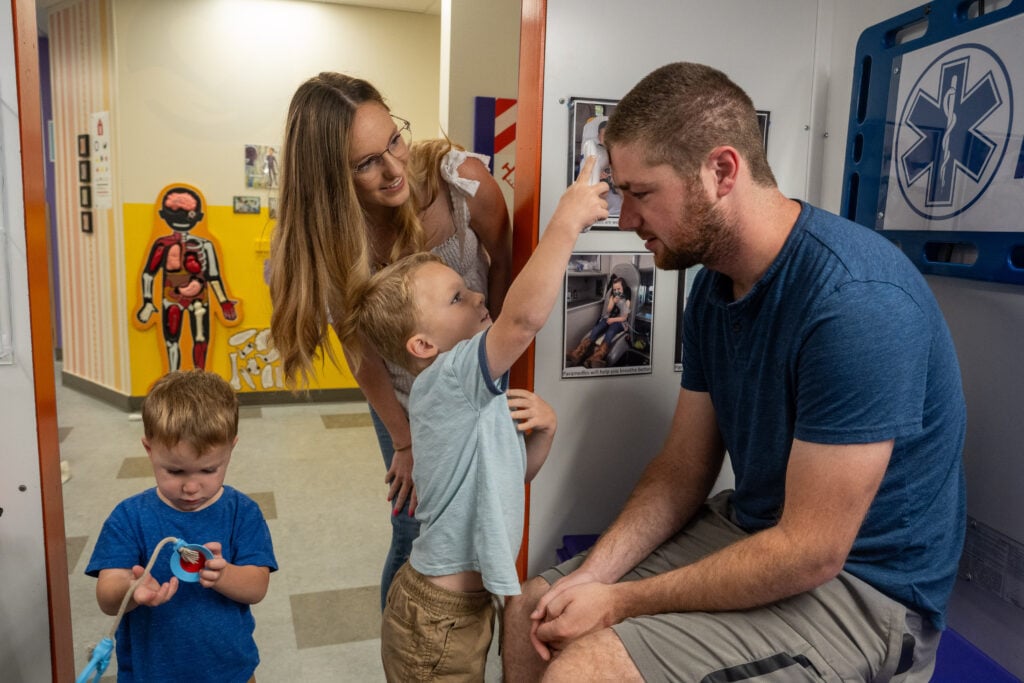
<point x="844" y="630"/>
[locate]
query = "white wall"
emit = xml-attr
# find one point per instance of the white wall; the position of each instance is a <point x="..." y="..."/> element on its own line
<point x="610" y="427"/>
<point x="479" y="58"/>
<point x="25" y="645"/>
<point x="849" y="21"/>
<point x="481" y="46"/>
<point x="191" y="97"/>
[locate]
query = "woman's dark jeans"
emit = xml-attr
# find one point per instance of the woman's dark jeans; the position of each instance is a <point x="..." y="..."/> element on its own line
<point x="404" y="529"/>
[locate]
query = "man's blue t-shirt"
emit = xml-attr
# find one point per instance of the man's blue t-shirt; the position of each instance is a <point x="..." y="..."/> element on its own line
<point x="198" y="634"/>
<point x="841" y="342"/>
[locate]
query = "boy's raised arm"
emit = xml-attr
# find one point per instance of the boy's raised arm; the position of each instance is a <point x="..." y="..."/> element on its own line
<point x="533" y="293"/>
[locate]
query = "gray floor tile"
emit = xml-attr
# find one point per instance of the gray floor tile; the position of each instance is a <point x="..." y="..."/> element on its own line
<point x="134" y="468"/>
<point x="355" y="662"/>
<point x="347" y="420"/>
<point x="335" y="617"/>
<point x="74" y="546"/>
<point x="265" y="499"/>
<point x="250" y="412"/>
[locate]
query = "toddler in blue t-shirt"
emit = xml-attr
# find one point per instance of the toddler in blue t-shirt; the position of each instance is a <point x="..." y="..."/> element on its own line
<point x="175" y="630"/>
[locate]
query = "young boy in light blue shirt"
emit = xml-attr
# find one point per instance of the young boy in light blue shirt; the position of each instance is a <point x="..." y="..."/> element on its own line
<point x="471" y="457"/>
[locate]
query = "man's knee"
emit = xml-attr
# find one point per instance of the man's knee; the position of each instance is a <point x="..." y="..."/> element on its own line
<point x="522" y="605"/>
<point x="518" y="608"/>
<point x="519" y="660"/>
<point x="595" y="656"/>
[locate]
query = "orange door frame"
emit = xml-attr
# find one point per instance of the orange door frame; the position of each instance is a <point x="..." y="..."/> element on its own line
<point x="26" y="58"/>
<point x="526" y="210"/>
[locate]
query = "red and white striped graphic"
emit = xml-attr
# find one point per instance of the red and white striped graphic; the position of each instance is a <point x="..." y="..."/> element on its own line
<point x="505" y="141"/>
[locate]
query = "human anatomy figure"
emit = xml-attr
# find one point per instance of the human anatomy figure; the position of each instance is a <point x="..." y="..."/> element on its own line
<point x="190" y="270"/>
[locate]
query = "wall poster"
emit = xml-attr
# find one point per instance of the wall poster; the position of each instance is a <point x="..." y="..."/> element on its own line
<point x="261" y="167"/>
<point x="587" y="120"/>
<point x="247" y="204"/>
<point x="763" y="121"/>
<point x="677" y="359"/>
<point x="608" y="315"/>
<point x="99" y="156"/>
<point x="494" y="134"/>
<point x="682" y="292"/>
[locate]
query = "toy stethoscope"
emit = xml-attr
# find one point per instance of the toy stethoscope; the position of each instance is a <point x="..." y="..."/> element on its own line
<point x="187" y="560"/>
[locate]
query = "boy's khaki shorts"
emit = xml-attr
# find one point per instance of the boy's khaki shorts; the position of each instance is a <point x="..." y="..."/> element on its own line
<point x="428" y="633"/>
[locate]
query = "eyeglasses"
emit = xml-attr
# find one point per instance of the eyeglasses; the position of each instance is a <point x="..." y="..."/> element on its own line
<point x="398" y="146"/>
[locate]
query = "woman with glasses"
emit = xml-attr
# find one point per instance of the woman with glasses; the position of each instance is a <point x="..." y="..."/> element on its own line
<point x="355" y="195"/>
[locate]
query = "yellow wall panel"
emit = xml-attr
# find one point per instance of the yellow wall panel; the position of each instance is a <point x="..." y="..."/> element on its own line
<point x="237" y="349"/>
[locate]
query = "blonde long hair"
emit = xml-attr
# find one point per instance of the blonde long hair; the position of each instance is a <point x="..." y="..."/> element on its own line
<point x="320" y="251"/>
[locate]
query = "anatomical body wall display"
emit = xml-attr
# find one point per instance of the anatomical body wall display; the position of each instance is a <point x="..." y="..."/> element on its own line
<point x="182" y="288"/>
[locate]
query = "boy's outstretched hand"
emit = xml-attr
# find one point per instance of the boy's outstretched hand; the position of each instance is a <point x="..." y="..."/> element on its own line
<point x="149" y="592"/>
<point x="531" y="412"/>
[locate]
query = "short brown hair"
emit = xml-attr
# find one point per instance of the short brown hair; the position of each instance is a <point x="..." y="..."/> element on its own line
<point x="680" y="112"/>
<point x="383" y="313"/>
<point x="197" y="407"/>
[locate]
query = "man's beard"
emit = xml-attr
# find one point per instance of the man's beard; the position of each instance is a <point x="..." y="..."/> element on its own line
<point x="704" y="234"/>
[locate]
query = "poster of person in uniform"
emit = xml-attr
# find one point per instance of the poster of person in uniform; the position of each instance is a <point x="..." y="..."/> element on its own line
<point x="587" y="121"/>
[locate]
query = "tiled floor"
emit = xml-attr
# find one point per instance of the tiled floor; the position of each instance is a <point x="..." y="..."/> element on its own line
<point x="316" y="472"/>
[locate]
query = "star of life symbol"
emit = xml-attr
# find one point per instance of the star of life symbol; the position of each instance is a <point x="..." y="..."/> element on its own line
<point x="953" y="131"/>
